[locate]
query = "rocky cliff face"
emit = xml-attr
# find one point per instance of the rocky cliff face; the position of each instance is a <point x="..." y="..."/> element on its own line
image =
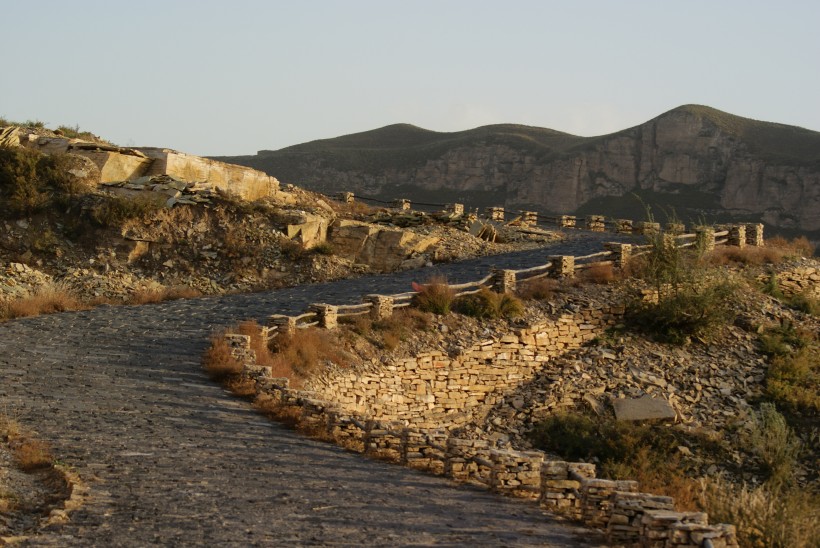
<point x="700" y="158"/>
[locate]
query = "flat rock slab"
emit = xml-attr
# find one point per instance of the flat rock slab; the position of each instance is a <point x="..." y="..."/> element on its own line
<point x="643" y="409"/>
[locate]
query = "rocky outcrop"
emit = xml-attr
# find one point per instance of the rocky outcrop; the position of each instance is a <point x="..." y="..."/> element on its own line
<point x="700" y="158"/>
<point x="118" y="164"/>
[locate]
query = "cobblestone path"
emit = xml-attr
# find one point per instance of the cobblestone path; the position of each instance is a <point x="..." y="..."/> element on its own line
<point x="174" y="460"/>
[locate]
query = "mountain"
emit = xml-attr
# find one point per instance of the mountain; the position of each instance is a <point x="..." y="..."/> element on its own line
<point x="694" y="160"/>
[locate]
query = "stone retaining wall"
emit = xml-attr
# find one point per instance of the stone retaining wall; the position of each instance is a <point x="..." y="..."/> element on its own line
<point x="628" y="517"/>
<point x="805" y="279"/>
<point x="436" y="390"/>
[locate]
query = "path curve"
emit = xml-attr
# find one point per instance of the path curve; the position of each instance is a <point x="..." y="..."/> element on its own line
<point x="173" y="459"/>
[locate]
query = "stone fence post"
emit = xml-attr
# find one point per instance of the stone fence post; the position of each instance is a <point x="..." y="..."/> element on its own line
<point x="596" y="223"/>
<point x="623" y="226"/>
<point x="454" y="209"/>
<point x="496" y="214"/>
<point x="503" y="280"/>
<point x="737" y="236"/>
<point x="622" y="253"/>
<point x="346" y="197"/>
<point x="675" y="228"/>
<point x="646" y="228"/>
<point x="563" y="266"/>
<point x="328" y="315"/>
<point x="382" y="306"/>
<point x="529" y="218"/>
<point x="705" y="238"/>
<point x="754" y="234"/>
<point x="566" y="221"/>
<point x="285" y="325"/>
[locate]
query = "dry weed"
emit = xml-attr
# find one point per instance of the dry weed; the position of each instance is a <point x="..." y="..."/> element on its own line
<point x="726" y="255"/>
<point x="152" y="296"/>
<point x="47" y="299"/>
<point x="218" y="360"/>
<point x="599" y="273"/>
<point x="539" y="289"/>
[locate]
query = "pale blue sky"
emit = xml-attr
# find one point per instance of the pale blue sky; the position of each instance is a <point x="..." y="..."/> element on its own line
<point x="211" y="77"/>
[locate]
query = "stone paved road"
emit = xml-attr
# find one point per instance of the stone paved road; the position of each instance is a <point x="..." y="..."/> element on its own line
<point x="174" y="460"/>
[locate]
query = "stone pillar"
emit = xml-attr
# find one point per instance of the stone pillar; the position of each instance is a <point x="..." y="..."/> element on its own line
<point x="503" y="280"/>
<point x="675" y="228"/>
<point x="669" y="241"/>
<point x="496" y="214"/>
<point x="516" y="473"/>
<point x="623" y="226"/>
<point x="327" y="314"/>
<point x="563" y="266"/>
<point x="566" y="221"/>
<point x="346" y="197"/>
<point x="622" y="253"/>
<point x="647" y="229"/>
<point x="596" y="223"/>
<point x="705" y="238"/>
<point x="737" y="235"/>
<point x="285" y="325"/>
<point x="455" y="209"/>
<point x="529" y="218"/>
<point x="754" y="235"/>
<point x="240" y="346"/>
<point x="382" y="306"/>
<point x="402" y="204"/>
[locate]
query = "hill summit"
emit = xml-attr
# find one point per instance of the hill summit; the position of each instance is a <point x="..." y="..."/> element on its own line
<point x="696" y="160"/>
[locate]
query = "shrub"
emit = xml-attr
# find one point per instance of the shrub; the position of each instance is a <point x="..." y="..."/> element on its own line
<point x="323" y="248"/>
<point x="47" y="299"/>
<point x="150" y="296"/>
<point x="435" y="296"/>
<point x="305" y="353"/>
<point x="747" y="255"/>
<point x="32" y="454"/>
<point x="537" y="290"/>
<point x="487" y="304"/>
<point x="775" y="444"/>
<point x="599" y="273"/>
<point x="113" y="211"/>
<point x="645" y="452"/>
<point x="689" y="312"/>
<point x="793" y="376"/>
<point x="218" y="360"/>
<point x="764" y="517"/>
<point x="797" y="247"/>
<point x="293" y="250"/>
<point x="805" y="303"/>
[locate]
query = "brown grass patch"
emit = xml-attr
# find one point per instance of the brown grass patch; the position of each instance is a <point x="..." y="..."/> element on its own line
<point x="305" y="353"/>
<point x="32" y="454"/>
<point x="797" y="247"/>
<point x="218" y="360"/>
<point x="435" y="296"/>
<point x="599" y="273"/>
<point x="152" y="296"/>
<point x="749" y="255"/>
<point x="539" y="289"/>
<point x="47" y="299"/>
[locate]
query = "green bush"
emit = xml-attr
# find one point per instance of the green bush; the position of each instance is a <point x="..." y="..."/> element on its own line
<point x="775" y="444"/>
<point x="323" y="248"/>
<point x="115" y="210"/>
<point x="487" y="304"/>
<point x="689" y="312"/>
<point x="793" y="376"/>
<point x="29" y="181"/>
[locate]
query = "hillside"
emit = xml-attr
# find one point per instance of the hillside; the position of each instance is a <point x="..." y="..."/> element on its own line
<point x="699" y="161"/>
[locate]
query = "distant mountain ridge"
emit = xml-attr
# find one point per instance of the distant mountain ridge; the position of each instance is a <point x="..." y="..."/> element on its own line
<point x="699" y="161"/>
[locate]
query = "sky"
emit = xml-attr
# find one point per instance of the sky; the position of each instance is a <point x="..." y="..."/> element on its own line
<point x="233" y="77"/>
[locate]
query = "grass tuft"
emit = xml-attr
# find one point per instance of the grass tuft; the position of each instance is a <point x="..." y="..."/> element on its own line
<point x="435" y="296"/>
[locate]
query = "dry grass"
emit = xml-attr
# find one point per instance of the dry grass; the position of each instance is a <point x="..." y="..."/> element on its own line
<point x="539" y="289"/>
<point x="435" y="296"/>
<point x="151" y="296"/>
<point x="305" y="353"/>
<point x="47" y="299"/>
<point x="727" y="255"/>
<point x="797" y="247"/>
<point x="29" y="453"/>
<point x="218" y="361"/>
<point x="599" y="273"/>
<point x="764" y="517"/>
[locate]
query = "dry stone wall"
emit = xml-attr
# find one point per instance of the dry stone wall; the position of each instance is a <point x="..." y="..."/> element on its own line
<point x="437" y="390"/>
